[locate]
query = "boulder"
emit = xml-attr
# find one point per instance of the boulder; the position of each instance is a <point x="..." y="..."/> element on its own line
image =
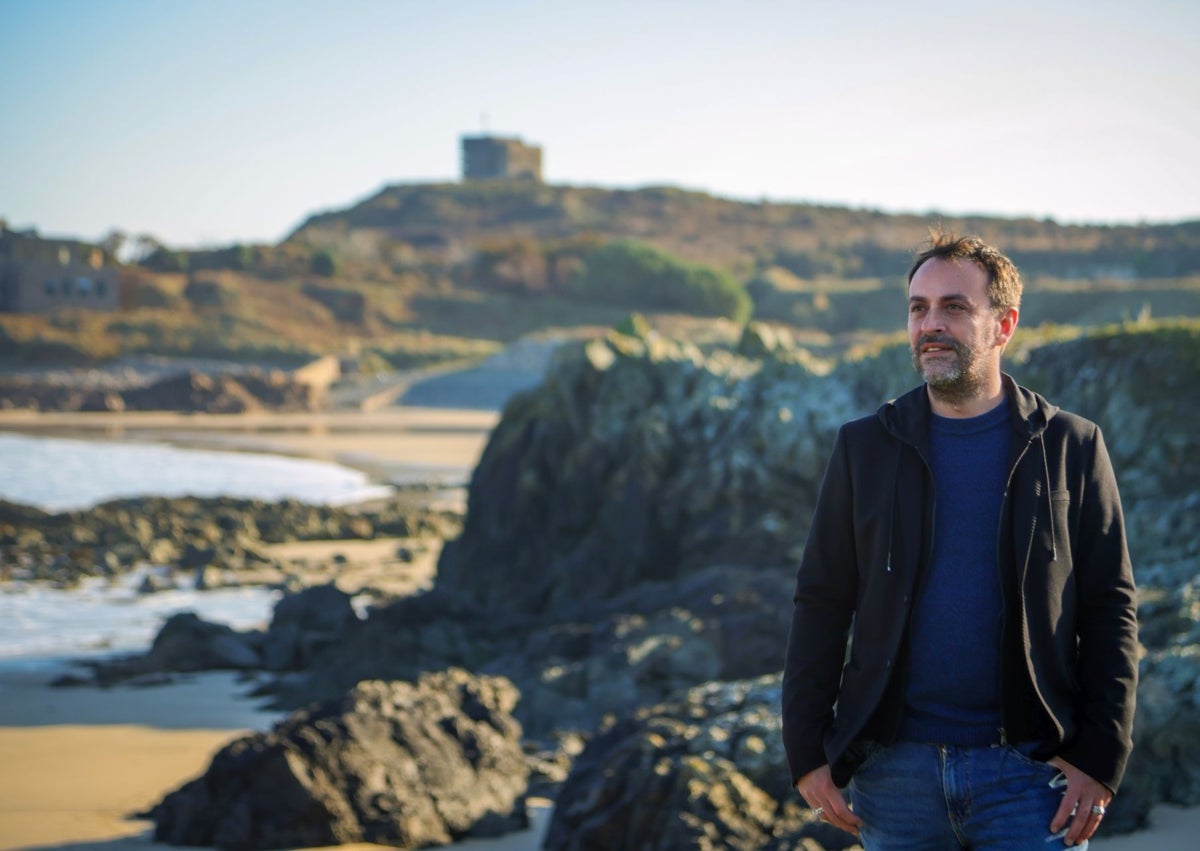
<point x="304" y="623"/>
<point x="188" y="643"/>
<point x="706" y="771"/>
<point x="393" y="763"/>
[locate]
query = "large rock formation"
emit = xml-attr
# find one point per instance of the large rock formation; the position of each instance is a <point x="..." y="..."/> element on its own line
<point x="408" y="765"/>
<point x="643" y="460"/>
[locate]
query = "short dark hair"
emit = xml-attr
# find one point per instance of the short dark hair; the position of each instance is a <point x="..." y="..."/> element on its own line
<point x="1004" y="281"/>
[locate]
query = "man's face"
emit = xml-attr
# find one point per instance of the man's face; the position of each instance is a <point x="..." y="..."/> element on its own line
<point x="955" y="336"/>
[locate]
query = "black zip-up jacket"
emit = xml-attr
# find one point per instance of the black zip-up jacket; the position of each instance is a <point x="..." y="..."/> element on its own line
<point x="1070" y="635"/>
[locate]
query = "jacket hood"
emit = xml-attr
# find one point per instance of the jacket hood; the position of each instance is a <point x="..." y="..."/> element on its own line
<point x="907" y="417"/>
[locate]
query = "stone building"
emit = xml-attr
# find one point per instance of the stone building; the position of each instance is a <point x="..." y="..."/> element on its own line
<point x="500" y="158"/>
<point x="44" y="275"/>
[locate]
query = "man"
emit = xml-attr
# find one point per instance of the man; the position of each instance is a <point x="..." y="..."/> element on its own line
<point x="970" y="535"/>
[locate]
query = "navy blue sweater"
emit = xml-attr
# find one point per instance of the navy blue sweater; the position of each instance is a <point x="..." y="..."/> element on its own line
<point x="953" y="690"/>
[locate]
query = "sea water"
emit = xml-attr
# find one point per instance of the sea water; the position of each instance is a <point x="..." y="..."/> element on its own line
<point x="42" y="625"/>
<point x="60" y="474"/>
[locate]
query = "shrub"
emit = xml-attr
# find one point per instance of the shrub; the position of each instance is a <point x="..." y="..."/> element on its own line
<point x="208" y="292"/>
<point x="325" y="263"/>
<point x="345" y="305"/>
<point x="167" y="260"/>
<point x="641" y="276"/>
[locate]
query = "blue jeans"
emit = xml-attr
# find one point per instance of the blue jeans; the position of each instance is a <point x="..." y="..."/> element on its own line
<point x="921" y="797"/>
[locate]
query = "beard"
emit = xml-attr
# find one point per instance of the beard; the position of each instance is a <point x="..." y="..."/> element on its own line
<point x="952" y="378"/>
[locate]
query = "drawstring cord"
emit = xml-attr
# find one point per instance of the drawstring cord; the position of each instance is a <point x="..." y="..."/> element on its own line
<point x="892" y="511"/>
<point x="1049" y="501"/>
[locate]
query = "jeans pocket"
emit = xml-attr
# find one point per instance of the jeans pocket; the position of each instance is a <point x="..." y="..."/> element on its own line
<point x="862" y="753"/>
<point x="1018" y="753"/>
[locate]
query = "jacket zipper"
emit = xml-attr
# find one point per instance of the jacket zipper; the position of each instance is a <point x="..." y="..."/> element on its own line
<point x="1020" y="582"/>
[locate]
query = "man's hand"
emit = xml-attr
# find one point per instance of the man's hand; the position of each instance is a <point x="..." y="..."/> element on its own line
<point x="1079" y="804"/>
<point x="818" y="789"/>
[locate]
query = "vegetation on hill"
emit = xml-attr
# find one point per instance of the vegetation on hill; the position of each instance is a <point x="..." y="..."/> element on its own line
<point x="633" y="274"/>
<point x="738" y="236"/>
<point x="422" y="273"/>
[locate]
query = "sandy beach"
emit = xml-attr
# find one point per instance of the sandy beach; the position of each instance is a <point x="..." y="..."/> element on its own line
<point x="76" y="763"/>
<point x="382" y="443"/>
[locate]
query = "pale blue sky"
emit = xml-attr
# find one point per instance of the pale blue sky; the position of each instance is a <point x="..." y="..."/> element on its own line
<point x="232" y="120"/>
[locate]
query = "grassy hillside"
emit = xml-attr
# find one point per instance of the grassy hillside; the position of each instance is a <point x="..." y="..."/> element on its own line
<point x="423" y="273"/>
<point x="739" y="236"/>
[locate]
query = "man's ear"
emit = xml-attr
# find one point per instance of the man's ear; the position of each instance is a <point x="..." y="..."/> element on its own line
<point x="1006" y="326"/>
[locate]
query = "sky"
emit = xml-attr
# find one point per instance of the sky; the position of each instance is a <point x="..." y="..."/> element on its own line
<point x="208" y="122"/>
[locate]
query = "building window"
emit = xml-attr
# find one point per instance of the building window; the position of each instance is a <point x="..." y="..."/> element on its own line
<point x="83" y="286"/>
<point x="101" y="289"/>
<point x="50" y="288"/>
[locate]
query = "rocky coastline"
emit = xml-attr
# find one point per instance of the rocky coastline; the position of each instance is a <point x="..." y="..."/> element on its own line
<point x="207" y="541"/>
<point x="625" y="564"/>
<point x="194" y="387"/>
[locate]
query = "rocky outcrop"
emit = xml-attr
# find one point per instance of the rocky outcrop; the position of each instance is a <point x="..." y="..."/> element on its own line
<point x="305" y="623"/>
<point x="393" y="763"/>
<point x="189" y="533"/>
<point x="706" y="771"/>
<point x="643" y="460"/>
<point x="580" y="663"/>
<point x="191" y="391"/>
<point x="187" y="643"/>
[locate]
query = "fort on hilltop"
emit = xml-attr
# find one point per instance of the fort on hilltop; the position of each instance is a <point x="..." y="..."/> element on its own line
<point x="500" y="158"/>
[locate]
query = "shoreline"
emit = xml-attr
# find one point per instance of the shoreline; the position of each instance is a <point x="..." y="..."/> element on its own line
<point x="77" y="762"/>
<point x="387" y="445"/>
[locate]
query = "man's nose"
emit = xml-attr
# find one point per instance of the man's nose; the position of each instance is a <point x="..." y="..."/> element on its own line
<point x="933" y="320"/>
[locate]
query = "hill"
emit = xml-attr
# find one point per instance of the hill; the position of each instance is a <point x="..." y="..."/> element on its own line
<point x="424" y="273"/>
